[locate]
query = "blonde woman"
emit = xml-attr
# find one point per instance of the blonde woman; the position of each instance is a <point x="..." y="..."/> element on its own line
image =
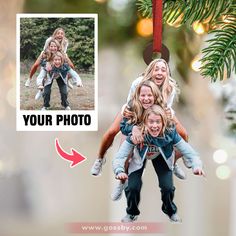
<point x="61" y="44"/>
<point x="158" y="72"/>
<point x="160" y="138"/>
<point x="59" y="72"/>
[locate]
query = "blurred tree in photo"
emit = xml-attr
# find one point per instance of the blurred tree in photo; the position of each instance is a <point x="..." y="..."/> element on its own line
<point x="79" y="31"/>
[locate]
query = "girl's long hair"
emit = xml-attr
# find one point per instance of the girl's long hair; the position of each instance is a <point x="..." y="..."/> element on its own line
<point x="136" y="105"/>
<point x="169" y="83"/>
<point x="157" y="110"/>
<point x="64" y="41"/>
<point x="47" y="53"/>
<point x="59" y="54"/>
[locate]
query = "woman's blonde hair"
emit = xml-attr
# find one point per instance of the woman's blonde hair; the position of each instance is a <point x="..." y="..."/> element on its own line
<point x="59" y="54"/>
<point x="157" y="110"/>
<point x="169" y="83"/>
<point x="64" y="41"/>
<point x="136" y="105"/>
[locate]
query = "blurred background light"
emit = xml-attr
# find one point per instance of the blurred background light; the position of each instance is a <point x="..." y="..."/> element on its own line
<point x="11" y="97"/>
<point x="223" y="172"/>
<point x="118" y="5"/>
<point x="220" y="156"/>
<point x="2" y="110"/>
<point x="100" y="1"/>
<point x="198" y="27"/>
<point x="196" y="64"/>
<point x="144" y="27"/>
<point x="10" y="74"/>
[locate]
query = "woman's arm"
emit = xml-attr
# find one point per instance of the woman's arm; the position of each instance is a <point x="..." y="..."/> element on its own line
<point x="191" y="156"/>
<point x="40" y="77"/>
<point x="76" y="78"/>
<point x="118" y="162"/>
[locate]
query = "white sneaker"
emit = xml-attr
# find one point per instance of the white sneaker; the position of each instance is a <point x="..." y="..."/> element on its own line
<point x="27" y="82"/>
<point x="187" y="162"/>
<point x="175" y="218"/>
<point x="118" y="191"/>
<point x="44" y="109"/>
<point x="97" y="166"/>
<point x="67" y="108"/>
<point x="38" y="95"/>
<point x="129" y="218"/>
<point x="178" y="172"/>
<point x="69" y="84"/>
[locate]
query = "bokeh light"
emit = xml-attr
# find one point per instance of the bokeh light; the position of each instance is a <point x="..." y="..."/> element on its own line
<point x="196" y="64"/>
<point x="220" y="156"/>
<point x="2" y="110"/>
<point x="100" y="1"/>
<point x="144" y="27"/>
<point x="118" y="5"/>
<point x="223" y="172"/>
<point x="11" y="97"/>
<point x="1" y="166"/>
<point x="198" y="27"/>
<point x="10" y="74"/>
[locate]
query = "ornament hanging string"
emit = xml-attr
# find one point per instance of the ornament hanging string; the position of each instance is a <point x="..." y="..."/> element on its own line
<point x="157" y="25"/>
<point x="156" y="49"/>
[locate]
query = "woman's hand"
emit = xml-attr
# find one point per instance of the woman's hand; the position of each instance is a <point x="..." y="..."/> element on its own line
<point x="79" y="84"/>
<point x="122" y="176"/>
<point x="137" y="136"/>
<point x="199" y="171"/>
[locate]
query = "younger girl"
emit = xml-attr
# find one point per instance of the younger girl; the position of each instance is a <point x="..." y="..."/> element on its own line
<point x="59" y="71"/>
<point x="61" y="42"/>
<point x="158" y="72"/>
<point x="160" y="138"/>
<point x="146" y="94"/>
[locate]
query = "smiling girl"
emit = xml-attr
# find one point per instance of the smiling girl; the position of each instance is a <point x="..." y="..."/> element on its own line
<point x="158" y="72"/>
<point x="146" y="94"/>
<point x="60" y="43"/>
<point x="160" y="138"/>
<point x="59" y="71"/>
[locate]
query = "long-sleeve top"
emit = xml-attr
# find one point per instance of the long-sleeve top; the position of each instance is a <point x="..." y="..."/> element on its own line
<point x="152" y="148"/>
<point x="63" y="71"/>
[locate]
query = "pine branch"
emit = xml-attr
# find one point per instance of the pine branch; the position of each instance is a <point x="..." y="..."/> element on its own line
<point x="145" y="6"/>
<point x="220" y="56"/>
<point x="221" y="53"/>
<point x="191" y="10"/>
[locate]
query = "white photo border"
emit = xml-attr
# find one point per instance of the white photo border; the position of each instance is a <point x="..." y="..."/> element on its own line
<point x="87" y="120"/>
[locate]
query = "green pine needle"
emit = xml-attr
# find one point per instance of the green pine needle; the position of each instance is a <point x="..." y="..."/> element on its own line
<point x="220" y="56"/>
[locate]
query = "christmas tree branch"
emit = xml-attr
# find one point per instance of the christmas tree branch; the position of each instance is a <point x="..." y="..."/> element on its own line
<point x="220" y="56"/>
<point x="191" y="10"/>
<point x="222" y="48"/>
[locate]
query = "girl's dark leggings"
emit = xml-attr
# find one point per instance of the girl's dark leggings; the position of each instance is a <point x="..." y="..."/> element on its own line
<point x="164" y="175"/>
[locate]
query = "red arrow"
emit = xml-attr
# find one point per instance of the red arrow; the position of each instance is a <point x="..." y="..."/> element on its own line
<point x="75" y="157"/>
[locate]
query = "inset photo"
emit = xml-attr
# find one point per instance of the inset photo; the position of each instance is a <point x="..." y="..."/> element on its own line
<point x="56" y="65"/>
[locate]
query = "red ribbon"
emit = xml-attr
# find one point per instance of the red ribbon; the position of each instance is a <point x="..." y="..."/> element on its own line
<point x="157" y="24"/>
